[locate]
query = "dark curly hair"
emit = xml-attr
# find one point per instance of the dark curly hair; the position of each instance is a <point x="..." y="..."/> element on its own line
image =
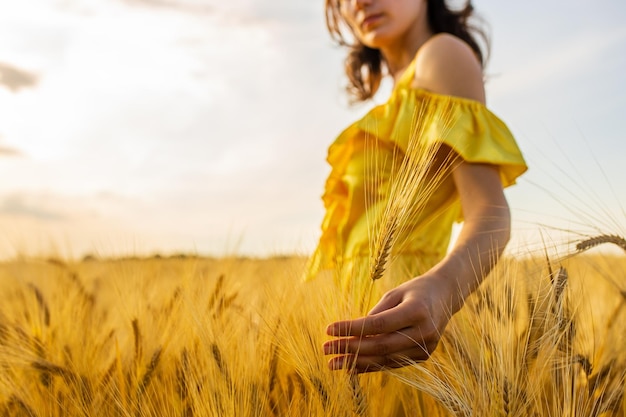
<point x="364" y="65"/>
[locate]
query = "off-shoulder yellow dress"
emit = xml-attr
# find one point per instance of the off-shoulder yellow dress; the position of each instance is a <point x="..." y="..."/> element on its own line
<point x="358" y="185"/>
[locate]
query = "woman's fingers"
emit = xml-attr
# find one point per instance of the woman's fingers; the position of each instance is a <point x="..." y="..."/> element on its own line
<point x="379" y="345"/>
<point x="388" y="321"/>
<point x="362" y="363"/>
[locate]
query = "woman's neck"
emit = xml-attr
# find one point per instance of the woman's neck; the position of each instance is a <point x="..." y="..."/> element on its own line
<point x="399" y="55"/>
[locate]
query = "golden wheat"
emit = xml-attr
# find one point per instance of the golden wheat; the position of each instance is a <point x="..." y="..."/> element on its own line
<point x="152" y="338"/>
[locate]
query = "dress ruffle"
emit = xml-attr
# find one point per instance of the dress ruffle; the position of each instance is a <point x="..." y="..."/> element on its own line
<point x="466" y="126"/>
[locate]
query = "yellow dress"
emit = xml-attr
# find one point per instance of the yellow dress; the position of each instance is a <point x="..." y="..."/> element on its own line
<point x="363" y="159"/>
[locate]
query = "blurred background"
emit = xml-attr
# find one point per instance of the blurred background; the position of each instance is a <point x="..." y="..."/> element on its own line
<point x="132" y="127"/>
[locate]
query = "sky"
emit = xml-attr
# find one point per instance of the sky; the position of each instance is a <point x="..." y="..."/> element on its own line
<point x="132" y="127"/>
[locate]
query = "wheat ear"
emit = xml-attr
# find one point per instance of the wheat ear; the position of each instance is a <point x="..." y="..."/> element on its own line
<point x="383" y="250"/>
<point x="600" y="239"/>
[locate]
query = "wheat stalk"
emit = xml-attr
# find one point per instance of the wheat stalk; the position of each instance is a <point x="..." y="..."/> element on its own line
<point x="147" y="376"/>
<point x="221" y="364"/>
<point x="411" y="183"/>
<point x="137" y="340"/>
<point x="358" y="396"/>
<point x="41" y="302"/>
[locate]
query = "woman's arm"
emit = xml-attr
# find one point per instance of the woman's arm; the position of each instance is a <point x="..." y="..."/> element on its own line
<point x="485" y="232"/>
<point x="409" y="320"/>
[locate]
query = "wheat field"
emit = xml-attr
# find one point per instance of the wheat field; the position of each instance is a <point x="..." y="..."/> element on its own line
<point x="192" y="336"/>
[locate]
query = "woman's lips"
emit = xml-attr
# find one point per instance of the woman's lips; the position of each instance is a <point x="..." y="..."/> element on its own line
<point x="370" y="20"/>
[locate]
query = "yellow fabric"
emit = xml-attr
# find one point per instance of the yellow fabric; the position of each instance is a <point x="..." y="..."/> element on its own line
<point x="364" y="156"/>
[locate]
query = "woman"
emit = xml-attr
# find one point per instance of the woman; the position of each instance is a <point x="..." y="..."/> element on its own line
<point x="436" y="65"/>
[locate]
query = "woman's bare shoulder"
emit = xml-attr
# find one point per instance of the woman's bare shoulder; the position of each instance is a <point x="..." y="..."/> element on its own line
<point x="447" y="65"/>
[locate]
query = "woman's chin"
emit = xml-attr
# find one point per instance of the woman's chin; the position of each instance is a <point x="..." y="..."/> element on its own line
<point x="375" y="40"/>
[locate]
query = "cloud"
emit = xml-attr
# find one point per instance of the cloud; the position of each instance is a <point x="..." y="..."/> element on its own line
<point x="8" y="151"/>
<point x="15" y="79"/>
<point x="20" y="205"/>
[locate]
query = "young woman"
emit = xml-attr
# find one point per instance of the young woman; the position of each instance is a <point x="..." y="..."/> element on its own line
<point x="432" y="54"/>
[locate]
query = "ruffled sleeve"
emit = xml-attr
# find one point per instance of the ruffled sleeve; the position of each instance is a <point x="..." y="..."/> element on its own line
<point x="473" y="132"/>
<point x="467" y="126"/>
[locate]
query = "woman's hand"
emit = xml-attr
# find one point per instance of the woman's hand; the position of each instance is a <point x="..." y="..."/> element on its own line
<point x="408" y="321"/>
<point x="404" y="326"/>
